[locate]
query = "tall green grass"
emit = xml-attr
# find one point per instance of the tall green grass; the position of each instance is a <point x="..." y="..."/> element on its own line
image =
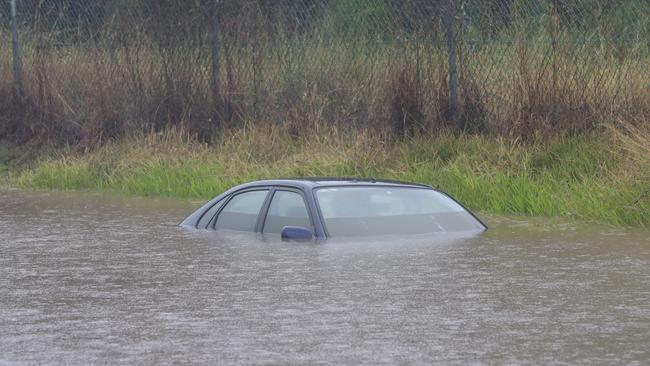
<point x="589" y="177"/>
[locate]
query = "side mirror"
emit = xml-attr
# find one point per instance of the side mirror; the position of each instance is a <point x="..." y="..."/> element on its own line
<point x="296" y="233"/>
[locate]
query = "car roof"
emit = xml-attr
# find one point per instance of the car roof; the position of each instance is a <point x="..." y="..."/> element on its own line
<point x="314" y="182"/>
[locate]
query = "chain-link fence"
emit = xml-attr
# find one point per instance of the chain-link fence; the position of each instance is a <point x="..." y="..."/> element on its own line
<point x="89" y="69"/>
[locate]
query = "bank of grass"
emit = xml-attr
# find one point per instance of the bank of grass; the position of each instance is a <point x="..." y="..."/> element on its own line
<point x="591" y="177"/>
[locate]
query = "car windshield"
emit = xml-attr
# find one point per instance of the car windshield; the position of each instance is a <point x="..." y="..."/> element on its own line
<point x="388" y="210"/>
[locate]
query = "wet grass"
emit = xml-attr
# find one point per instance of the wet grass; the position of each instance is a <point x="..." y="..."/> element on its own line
<point x="590" y="177"/>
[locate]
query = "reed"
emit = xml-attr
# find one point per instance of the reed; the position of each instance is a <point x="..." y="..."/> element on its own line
<point x="86" y="96"/>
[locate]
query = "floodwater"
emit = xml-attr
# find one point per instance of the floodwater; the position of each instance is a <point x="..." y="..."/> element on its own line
<point x="88" y="278"/>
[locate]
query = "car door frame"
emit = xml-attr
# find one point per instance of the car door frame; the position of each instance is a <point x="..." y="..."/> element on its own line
<point x="313" y="218"/>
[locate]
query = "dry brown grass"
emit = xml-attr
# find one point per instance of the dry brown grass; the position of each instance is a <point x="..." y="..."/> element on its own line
<point x="634" y="138"/>
<point x="85" y="97"/>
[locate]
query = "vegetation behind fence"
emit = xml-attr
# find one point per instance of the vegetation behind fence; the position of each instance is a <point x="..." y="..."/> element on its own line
<point x="92" y="70"/>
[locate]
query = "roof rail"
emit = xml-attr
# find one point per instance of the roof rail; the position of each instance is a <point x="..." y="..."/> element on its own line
<point x="355" y="179"/>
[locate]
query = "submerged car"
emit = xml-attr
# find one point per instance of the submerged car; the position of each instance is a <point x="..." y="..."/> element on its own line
<point x="326" y="207"/>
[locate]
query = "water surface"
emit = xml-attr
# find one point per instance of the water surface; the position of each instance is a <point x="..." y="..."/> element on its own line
<point x="90" y="278"/>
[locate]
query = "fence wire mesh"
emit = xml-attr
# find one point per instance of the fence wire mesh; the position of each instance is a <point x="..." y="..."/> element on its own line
<point x="97" y="68"/>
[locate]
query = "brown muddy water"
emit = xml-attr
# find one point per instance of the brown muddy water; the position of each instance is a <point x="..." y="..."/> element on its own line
<point x="89" y="278"/>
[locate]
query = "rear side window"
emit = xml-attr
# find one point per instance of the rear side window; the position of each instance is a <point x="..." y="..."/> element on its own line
<point x="241" y="212"/>
<point x="286" y="209"/>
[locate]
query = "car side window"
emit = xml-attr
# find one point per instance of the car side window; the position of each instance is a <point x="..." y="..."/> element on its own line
<point x="207" y="217"/>
<point x="286" y="209"/>
<point x="240" y="213"/>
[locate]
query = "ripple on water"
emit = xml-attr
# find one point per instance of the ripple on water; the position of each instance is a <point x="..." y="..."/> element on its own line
<point x="91" y="278"/>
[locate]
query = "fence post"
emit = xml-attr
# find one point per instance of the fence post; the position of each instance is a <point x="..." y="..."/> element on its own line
<point x="215" y="53"/>
<point x="453" y="67"/>
<point x="17" y="65"/>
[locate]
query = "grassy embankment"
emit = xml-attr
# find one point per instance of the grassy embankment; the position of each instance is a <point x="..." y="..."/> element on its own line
<point x="587" y="177"/>
<point x="84" y="101"/>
